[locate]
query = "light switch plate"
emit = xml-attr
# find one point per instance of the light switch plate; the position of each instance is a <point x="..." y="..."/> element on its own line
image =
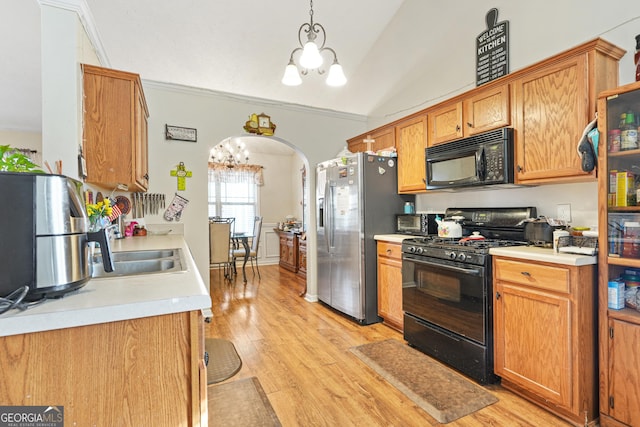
<point x="564" y="212"/>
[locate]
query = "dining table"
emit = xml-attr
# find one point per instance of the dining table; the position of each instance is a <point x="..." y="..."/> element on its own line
<point x="243" y="239"/>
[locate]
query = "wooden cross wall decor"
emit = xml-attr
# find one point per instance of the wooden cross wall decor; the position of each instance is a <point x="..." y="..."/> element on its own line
<point x="182" y="174"/>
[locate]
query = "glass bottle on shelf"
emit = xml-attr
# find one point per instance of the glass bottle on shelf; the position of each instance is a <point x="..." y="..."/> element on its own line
<point x="628" y="132"/>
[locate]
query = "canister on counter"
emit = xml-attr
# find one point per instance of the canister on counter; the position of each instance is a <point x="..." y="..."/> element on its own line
<point x="557" y="234"/>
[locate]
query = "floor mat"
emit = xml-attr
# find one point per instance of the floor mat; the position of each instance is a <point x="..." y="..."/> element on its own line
<point x="223" y="360"/>
<point x="440" y="391"/>
<point x="241" y="403"/>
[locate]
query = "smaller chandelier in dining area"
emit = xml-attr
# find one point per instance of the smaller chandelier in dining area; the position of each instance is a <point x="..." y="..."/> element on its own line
<point x="311" y="56"/>
<point x="230" y="153"/>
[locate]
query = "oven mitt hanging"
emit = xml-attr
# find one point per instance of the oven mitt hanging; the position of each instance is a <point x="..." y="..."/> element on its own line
<point x="174" y="211"/>
<point x="588" y="146"/>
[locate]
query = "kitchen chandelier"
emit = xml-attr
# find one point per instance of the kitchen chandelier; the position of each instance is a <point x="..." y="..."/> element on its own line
<point x="230" y="154"/>
<point x="311" y="58"/>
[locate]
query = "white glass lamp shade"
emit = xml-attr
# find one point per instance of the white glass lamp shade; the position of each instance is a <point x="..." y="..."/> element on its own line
<point x="291" y="75"/>
<point x="336" y="76"/>
<point x="310" y="58"/>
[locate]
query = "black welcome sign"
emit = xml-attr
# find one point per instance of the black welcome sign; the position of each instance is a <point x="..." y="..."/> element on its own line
<point x="492" y="50"/>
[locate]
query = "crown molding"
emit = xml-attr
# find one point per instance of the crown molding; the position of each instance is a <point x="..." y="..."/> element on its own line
<point x="81" y="8"/>
<point x="191" y="90"/>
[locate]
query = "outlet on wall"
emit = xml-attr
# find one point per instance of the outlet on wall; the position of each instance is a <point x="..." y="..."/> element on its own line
<point x="564" y="212"/>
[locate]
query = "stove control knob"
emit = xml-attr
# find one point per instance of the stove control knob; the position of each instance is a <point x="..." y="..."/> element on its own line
<point x="452" y="255"/>
<point x="411" y="249"/>
<point x="462" y="257"/>
<point x="419" y="251"/>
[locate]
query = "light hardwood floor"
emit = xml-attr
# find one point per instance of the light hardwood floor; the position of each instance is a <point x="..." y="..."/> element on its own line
<point x="300" y="353"/>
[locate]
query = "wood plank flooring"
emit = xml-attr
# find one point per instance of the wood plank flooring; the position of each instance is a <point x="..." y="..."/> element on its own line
<point x="300" y="353"/>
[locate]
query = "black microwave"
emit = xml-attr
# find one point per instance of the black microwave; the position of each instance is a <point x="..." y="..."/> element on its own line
<point x="483" y="159"/>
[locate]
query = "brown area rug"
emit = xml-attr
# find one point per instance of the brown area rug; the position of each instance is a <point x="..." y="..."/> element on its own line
<point x="223" y="361"/>
<point x="440" y="391"/>
<point x="240" y="403"/>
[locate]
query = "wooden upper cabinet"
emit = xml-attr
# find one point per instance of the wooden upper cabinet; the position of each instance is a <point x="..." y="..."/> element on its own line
<point x="553" y="104"/>
<point x="382" y="138"/>
<point x="114" y="129"/>
<point x="445" y="123"/>
<point x="411" y="141"/>
<point x="480" y="111"/>
<point x="486" y="110"/>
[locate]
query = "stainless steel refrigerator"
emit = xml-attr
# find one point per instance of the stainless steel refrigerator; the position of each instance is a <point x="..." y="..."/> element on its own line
<point x="356" y="199"/>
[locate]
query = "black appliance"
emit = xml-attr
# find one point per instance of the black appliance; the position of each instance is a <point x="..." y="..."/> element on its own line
<point x="417" y="224"/>
<point x="447" y="288"/>
<point x="483" y="159"/>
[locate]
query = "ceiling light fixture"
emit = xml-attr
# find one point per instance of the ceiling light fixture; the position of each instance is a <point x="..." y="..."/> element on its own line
<point x="230" y="154"/>
<point x="311" y="57"/>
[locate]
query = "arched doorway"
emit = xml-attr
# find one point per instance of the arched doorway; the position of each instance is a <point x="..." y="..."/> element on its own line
<point x="285" y="192"/>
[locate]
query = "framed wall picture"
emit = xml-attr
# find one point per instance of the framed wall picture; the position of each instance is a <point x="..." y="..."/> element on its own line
<point x="181" y="133"/>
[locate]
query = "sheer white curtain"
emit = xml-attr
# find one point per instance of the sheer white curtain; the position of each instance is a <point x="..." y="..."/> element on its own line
<point x="233" y="193"/>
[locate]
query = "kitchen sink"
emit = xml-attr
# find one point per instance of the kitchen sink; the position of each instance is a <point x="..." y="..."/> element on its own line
<point x="143" y="255"/>
<point x="139" y="262"/>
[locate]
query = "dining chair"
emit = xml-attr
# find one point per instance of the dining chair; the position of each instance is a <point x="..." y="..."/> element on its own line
<point x="220" y="232"/>
<point x="255" y="243"/>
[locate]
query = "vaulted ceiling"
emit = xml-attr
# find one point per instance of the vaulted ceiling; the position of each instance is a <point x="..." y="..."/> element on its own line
<point x="238" y="47"/>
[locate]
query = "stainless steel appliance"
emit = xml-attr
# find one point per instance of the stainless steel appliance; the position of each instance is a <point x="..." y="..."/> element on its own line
<point x="356" y="199"/>
<point x="44" y="243"/>
<point x="483" y="159"/>
<point x="416" y="224"/>
<point x="447" y="288"/>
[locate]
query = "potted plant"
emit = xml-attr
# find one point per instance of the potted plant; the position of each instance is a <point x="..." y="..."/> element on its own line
<point x="14" y="161"/>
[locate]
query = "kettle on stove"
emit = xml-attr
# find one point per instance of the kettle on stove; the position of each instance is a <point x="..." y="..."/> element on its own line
<point x="450" y="226"/>
<point x="45" y="235"/>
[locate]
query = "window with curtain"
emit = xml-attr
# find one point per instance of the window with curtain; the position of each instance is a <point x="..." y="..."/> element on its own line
<point x="233" y="193"/>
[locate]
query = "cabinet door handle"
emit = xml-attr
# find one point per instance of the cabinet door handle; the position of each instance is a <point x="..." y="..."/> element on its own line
<point x="146" y="176"/>
<point x="519" y="168"/>
<point x="525" y="273"/>
<point x="388" y="251"/>
<point x="469" y="125"/>
<point x="457" y="128"/>
<point x="498" y="295"/>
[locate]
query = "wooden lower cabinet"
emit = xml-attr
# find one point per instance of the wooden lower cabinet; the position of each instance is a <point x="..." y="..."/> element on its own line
<point x="545" y="337"/>
<point x="288" y="250"/>
<point x="136" y="372"/>
<point x="390" y="284"/>
<point x="624" y="376"/>
<point x="302" y="257"/>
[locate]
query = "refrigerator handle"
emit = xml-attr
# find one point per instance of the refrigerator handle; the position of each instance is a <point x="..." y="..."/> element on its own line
<point x="328" y="224"/>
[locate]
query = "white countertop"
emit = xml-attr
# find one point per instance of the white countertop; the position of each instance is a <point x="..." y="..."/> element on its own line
<point x="535" y="253"/>
<point x="118" y="298"/>
<point x="394" y="238"/>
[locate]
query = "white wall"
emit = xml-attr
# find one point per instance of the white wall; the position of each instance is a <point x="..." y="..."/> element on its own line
<point x="440" y="42"/>
<point x="316" y="135"/>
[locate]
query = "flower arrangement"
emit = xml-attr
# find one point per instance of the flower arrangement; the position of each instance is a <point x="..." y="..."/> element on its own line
<point x="99" y="214"/>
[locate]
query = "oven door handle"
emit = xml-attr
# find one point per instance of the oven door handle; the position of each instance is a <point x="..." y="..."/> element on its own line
<point x="473" y="272"/>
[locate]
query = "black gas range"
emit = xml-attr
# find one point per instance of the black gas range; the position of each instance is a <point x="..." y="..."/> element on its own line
<point x="447" y="288"/>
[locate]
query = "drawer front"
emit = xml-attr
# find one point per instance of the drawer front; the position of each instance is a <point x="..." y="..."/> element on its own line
<point x="540" y="276"/>
<point x="390" y="250"/>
